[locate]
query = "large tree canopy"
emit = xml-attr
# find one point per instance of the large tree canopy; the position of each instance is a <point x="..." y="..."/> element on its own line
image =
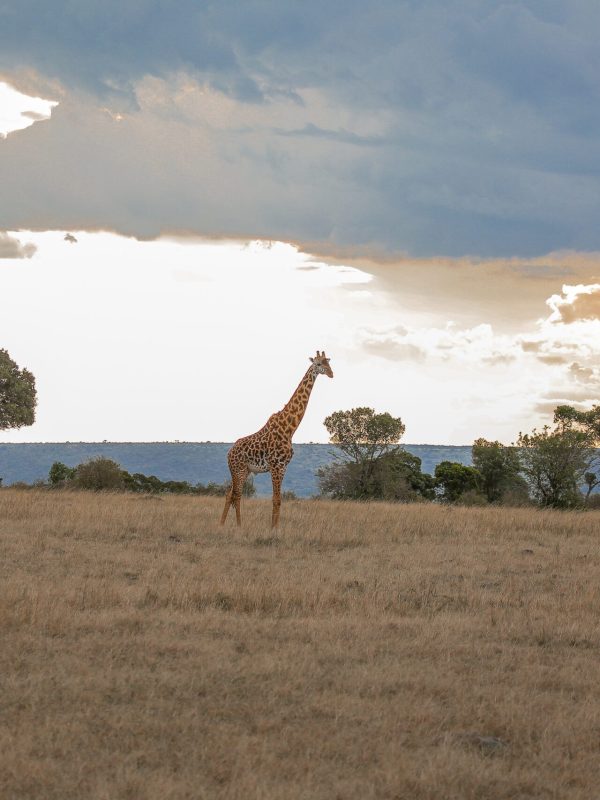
<point x="587" y="425"/>
<point x="17" y="394"/>
<point x="499" y="467"/>
<point x="555" y="463"/>
<point x="374" y="467"/>
<point x="567" y="417"/>
<point x="362" y="434"/>
<point x="453" y="480"/>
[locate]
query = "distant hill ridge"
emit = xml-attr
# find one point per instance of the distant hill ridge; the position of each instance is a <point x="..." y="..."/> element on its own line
<point x="190" y="461"/>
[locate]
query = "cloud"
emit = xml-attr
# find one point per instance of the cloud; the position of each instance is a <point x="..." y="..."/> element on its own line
<point x="443" y="344"/>
<point x="499" y="359"/>
<point x="530" y="347"/>
<point x="547" y="407"/>
<point x="553" y="358"/>
<point x="545" y="361"/>
<point x="11" y="247"/>
<point x="510" y="294"/>
<point x="552" y="350"/>
<point x="342" y="136"/>
<point x="19" y="111"/>
<point x="577" y="384"/>
<point x="427" y="128"/>
<point x="586" y="375"/>
<point x="394" y="350"/>
<point x="581" y="302"/>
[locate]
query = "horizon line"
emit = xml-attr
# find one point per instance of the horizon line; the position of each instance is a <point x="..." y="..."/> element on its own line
<point x="206" y="441"/>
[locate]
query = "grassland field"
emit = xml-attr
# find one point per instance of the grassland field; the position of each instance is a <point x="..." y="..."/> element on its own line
<point x="361" y="651"/>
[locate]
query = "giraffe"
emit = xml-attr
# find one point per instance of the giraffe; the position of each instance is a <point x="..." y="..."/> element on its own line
<point x="270" y="448"/>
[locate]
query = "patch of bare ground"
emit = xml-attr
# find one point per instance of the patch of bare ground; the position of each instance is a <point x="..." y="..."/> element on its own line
<point x="361" y="651"/>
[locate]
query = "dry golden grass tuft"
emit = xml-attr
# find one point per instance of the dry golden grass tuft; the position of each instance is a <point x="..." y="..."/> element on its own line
<point x="362" y="651"/>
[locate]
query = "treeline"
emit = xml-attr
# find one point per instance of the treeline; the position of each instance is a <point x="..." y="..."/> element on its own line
<point x="556" y="467"/>
<point x="104" y="474"/>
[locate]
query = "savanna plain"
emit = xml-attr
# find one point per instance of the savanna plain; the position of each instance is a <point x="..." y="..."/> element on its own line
<point x="360" y="651"/>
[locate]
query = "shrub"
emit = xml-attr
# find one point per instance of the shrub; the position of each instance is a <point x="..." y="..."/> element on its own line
<point x="99" y="474"/>
<point x="472" y="497"/>
<point x="104" y="473"/>
<point x="221" y="489"/>
<point x="517" y="497"/>
<point x="593" y="502"/>
<point x="150" y="484"/>
<point x="453" y="480"/>
<point x="60" y="474"/>
<point x="395" y="475"/>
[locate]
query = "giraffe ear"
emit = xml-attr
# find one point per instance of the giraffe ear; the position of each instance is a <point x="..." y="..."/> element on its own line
<point x="312" y="361"/>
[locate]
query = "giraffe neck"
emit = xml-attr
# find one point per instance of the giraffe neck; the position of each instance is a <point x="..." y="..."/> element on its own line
<point x="294" y="409"/>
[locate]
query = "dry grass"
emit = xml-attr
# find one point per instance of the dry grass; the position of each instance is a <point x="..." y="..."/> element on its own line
<point x="365" y="651"/>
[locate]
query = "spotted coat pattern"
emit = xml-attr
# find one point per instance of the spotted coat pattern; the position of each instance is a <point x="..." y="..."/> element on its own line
<point x="270" y="448"/>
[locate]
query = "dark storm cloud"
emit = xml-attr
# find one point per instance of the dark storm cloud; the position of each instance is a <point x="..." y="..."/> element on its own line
<point x="105" y="46"/>
<point x="424" y="127"/>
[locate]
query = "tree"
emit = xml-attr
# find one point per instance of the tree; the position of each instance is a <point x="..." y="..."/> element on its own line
<point x="362" y="434"/>
<point x="591" y="480"/>
<point x="452" y="480"/>
<point x="364" y="437"/>
<point x="17" y="394"/>
<point x="499" y="467"/>
<point x="555" y="463"/>
<point x="400" y="477"/>
<point x="569" y="418"/>
<point x="394" y="476"/>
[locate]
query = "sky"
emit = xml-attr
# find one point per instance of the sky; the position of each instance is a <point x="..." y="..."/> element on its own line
<point x="412" y="186"/>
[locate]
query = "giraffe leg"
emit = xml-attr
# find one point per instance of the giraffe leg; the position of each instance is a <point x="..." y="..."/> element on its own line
<point x="237" y="484"/>
<point x="228" y="502"/>
<point x="276" y="479"/>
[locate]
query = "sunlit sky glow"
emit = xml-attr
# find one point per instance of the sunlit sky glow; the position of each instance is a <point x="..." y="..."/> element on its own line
<point x="196" y="340"/>
<point x="19" y="111"/>
<point x="405" y="190"/>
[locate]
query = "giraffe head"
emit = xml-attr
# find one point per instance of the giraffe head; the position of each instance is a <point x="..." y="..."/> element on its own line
<point x="321" y="365"/>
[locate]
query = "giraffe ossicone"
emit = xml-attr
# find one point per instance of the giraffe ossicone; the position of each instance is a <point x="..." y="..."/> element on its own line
<point x="270" y="448"/>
